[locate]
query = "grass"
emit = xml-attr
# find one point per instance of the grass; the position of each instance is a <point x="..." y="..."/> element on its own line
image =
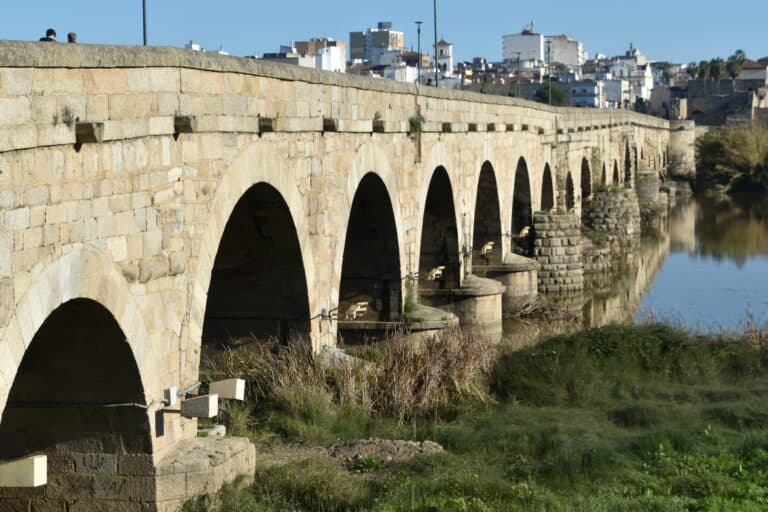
<point x="645" y="418"/>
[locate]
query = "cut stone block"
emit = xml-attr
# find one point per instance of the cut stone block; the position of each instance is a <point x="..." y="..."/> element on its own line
<point x="231" y="389"/>
<point x="206" y="406"/>
<point x="27" y="472"/>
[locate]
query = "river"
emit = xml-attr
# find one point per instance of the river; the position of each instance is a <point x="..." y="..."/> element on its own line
<point x="705" y="269"/>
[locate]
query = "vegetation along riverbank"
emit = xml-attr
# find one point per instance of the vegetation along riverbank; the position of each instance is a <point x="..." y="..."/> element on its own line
<point x="616" y="418"/>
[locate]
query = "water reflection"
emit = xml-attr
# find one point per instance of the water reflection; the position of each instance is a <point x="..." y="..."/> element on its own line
<point x="706" y="268"/>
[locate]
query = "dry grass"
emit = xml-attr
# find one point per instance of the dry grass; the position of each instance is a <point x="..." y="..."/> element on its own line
<point x="401" y="378"/>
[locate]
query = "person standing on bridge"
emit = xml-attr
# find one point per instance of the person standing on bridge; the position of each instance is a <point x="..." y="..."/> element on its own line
<point x="72" y="38"/>
<point x="50" y="36"/>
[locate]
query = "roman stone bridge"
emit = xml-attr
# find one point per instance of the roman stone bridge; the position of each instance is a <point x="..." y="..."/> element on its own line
<point x="156" y="201"/>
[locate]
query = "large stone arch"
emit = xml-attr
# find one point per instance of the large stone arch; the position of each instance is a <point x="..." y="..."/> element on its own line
<point x="570" y="193"/>
<point x="547" y="195"/>
<point x="616" y="177"/>
<point x="83" y="274"/>
<point x="586" y="180"/>
<point x="440" y="239"/>
<point x="370" y="161"/>
<point x="258" y="283"/>
<point x="487" y="225"/>
<point x="603" y="176"/>
<point x="522" y="209"/>
<point x="371" y="264"/>
<point x="256" y="163"/>
<point x="627" y="165"/>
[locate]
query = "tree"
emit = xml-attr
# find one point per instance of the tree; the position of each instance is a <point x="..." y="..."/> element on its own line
<point x="735" y="64"/>
<point x="692" y="69"/>
<point x="703" y="69"/>
<point x="716" y="70"/>
<point x="558" y="95"/>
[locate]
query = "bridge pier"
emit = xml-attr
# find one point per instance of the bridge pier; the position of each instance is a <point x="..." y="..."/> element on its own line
<point x="477" y="304"/>
<point x="558" y="250"/>
<point x="518" y="275"/>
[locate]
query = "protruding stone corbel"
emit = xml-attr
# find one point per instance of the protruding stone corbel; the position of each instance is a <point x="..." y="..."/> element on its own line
<point x="266" y="124"/>
<point x="88" y="132"/>
<point x="330" y="124"/>
<point x="184" y="124"/>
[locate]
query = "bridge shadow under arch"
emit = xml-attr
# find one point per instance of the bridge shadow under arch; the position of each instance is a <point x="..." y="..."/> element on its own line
<point x="616" y="178"/>
<point x="78" y="388"/>
<point x="258" y="283"/>
<point x="522" y="210"/>
<point x="627" y="166"/>
<point x="439" y="235"/>
<point x="371" y="263"/>
<point x="487" y="225"/>
<point x="603" y="176"/>
<point x="570" y="193"/>
<point x="547" y="190"/>
<point x="586" y="180"/>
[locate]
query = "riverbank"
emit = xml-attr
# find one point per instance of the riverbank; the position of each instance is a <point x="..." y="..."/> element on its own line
<point x="616" y="418"/>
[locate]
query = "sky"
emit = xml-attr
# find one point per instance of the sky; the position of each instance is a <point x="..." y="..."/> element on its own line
<point x="675" y="30"/>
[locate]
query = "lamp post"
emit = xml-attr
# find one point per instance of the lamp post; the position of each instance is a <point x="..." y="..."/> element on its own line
<point x="518" y="73"/>
<point x="144" y="19"/>
<point x="549" y="69"/>
<point x="434" y="3"/>
<point x="418" y="57"/>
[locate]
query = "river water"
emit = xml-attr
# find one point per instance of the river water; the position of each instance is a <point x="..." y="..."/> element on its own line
<point x="704" y="269"/>
<point x="715" y="273"/>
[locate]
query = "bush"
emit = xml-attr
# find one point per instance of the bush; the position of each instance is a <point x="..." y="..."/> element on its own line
<point x="733" y="160"/>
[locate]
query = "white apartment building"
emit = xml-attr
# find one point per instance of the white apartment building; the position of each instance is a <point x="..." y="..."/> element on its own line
<point x="528" y="43"/>
<point x="566" y="50"/>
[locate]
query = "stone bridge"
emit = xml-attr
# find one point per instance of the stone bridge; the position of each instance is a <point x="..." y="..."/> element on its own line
<point x="155" y="201"/>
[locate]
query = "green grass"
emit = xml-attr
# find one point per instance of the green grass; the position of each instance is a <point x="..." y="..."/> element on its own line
<point x="612" y="419"/>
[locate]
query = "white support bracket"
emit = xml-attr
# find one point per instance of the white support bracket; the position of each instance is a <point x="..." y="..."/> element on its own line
<point x="230" y="389"/>
<point x="30" y="471"/>
<point x="205" y="406"/>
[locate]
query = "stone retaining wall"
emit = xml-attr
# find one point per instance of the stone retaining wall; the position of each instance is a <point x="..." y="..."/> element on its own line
<point x="558" y="250"/>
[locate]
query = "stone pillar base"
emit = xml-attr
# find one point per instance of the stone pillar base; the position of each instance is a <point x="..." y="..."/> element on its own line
<point x="104" y="482"/>
<point x="477" y="304"/>
<point x="519" y="275"/>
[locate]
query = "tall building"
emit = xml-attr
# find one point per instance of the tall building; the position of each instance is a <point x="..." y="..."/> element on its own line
<point x="529" y="45"/>
<point x="566" y="50"/>
<point x="372" y="43"/>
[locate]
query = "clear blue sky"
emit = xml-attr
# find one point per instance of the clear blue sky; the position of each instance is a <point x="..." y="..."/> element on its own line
<point x="665" y="30"/>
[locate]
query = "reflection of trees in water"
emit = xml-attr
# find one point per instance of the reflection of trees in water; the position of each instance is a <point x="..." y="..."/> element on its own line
<point x="732" y="229"/>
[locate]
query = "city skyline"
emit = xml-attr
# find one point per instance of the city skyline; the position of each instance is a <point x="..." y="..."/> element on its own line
<point x="659" y="30"/>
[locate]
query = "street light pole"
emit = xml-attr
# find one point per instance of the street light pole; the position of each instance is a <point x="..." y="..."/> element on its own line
<point x="418" y="58"/>
<point x="518" y="73"/>
<point x="436" y="68"/>
<point x="144" y="18"/>
<point x="549" y="69"/>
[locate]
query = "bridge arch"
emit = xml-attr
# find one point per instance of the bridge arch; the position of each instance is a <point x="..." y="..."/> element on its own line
<point x="258" y="282"/>
<point x="371" y="266"/>
<point x="547" y="190"/>
<point x="439" y="234"/>
<point x="77" y="385"/>
<point x="570" y="195"/>
<point x="487" y="223"/>
<point x="627" y="166"/>
<point x="264" y="171"/>
<point x="603" y="176"/>
<point x="81" y="274"/>
<point x="586" y="180"/>
<point x="522" y="209"/>
<point x="616" y="179"/>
